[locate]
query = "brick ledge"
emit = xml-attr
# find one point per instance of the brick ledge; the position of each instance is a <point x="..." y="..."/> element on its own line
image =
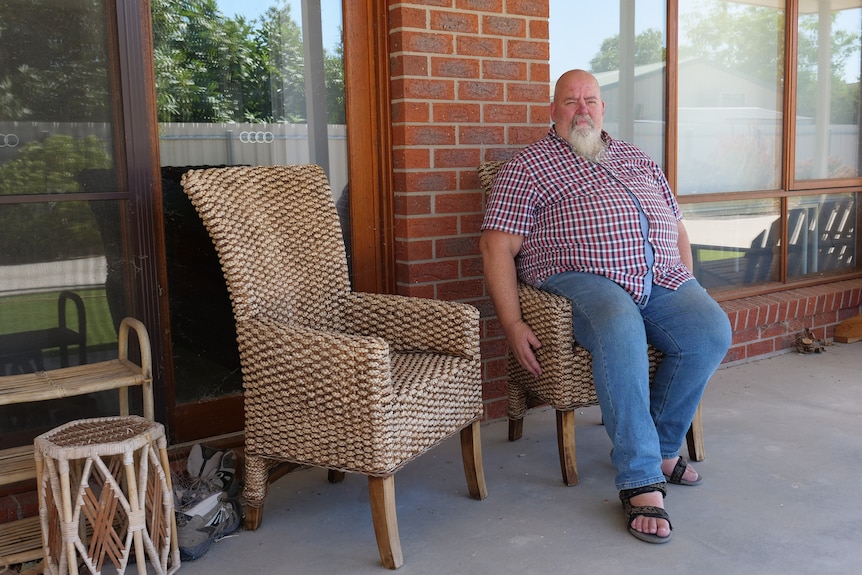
<point x="767" y="325"/>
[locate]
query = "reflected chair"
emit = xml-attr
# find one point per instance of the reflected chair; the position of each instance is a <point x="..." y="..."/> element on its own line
<point x="348" y="381"/>
<point x="566" y="383"/>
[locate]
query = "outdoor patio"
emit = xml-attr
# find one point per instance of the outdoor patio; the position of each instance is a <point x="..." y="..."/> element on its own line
<point x="780" y="494"/>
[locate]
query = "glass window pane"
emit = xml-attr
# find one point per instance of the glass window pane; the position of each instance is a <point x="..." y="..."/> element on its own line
<point x="238" y="82"/>
<point x="626" y="52"/>
<point x="62" y="264"/>
<point x="730" y="99"/>
<point x="827" y="99"/>
<point x="55" y="101"/>
<point x="734" y="243"/>
<point x="821" y="234"/>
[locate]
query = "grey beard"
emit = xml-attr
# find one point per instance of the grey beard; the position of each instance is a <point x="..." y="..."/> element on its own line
<point x="588" y="144"/>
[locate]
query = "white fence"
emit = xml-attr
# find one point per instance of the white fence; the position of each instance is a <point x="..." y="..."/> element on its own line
<point x="251" y="144"/>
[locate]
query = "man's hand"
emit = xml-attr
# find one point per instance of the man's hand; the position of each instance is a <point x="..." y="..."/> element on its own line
<point x="498" y="257"/>
<point x="523" y="342"/>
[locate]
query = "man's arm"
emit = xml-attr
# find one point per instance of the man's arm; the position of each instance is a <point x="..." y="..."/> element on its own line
<point x="498" y="259"/>
<point x="684" y="246"/>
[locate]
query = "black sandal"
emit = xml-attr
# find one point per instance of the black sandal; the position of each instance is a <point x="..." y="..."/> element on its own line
<point x="646" y="511"/>
<point x="679" y="470"/>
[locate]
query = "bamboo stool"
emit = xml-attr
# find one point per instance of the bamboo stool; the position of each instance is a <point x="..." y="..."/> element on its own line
<point x="104" y="483"/>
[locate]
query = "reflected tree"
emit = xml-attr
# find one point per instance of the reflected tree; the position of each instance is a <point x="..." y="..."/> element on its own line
<point x="649" y="49"/>
<point x="53" y="62"/>
<point x="212" y="68"/>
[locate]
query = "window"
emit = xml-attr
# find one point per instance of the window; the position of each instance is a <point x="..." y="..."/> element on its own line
<point x="763" y="145"/>
<point x="237" y="83"/>
<point x="626" y="52"/>
<point x="65" y="268"/>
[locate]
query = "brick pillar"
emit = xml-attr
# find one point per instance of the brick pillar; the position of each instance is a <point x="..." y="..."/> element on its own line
<point x="469" y="83"/>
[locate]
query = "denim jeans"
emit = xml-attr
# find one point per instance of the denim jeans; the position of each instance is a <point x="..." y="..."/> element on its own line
<point x="646" y="423"/>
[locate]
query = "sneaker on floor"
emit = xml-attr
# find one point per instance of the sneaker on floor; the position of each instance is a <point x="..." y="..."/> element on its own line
<point x="214" y="518"/>
<point x="190" y="491"/>
<point x="225" y="476"/>
<point x="204" y="461"/>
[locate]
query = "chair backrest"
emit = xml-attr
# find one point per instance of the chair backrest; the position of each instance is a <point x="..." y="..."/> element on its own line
<point x="279" y="241"/>
<point x="487" y="172"/>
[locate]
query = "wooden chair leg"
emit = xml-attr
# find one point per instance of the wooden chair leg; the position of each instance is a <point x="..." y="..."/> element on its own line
<point x="255" y="490"/>
<point x="335" y="476"/>
<point x="566" y="446"/>
<point x="516" y="429"/>
<point x="471" y="454"/>
<point x="382" y="494"/>
<point x="694" y="437"/>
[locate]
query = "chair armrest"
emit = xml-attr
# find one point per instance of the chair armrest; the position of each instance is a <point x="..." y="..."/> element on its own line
<point x="305" y="391"/>
<point x="310" y="358"/>
<point x="416" y="324"/>
<point x="548" y="315"/>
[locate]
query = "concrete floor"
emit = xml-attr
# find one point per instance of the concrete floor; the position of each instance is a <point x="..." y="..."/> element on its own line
<point x="780" y="495"/>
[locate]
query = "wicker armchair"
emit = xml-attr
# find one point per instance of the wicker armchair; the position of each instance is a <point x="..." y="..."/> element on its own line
<point x="348" y="381"/>
<point x="566" y="382"/>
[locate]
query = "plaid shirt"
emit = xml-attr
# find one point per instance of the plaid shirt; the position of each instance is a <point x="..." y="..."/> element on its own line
<point x="577" y="215"/>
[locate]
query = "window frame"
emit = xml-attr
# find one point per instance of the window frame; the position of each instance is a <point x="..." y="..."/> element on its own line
<point x="790" y="186"/>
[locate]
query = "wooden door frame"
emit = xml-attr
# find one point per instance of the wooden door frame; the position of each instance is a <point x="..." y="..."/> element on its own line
<point x="369" y="144"/>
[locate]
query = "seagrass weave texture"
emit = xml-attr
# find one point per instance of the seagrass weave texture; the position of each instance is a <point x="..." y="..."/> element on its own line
<point x="333" y="378"/>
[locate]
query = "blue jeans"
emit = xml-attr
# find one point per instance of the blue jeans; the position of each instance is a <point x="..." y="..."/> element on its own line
<point x="646" y="423"/>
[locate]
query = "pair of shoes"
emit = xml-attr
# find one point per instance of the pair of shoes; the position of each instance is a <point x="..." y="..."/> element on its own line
<point x="645" y="511"/>
<point x="208" y="471"/>
<point x="205" y="523"/>
<point x="678" y="471"/>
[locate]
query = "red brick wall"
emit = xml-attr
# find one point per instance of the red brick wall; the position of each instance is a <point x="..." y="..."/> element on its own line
<point x="469" y="83"/>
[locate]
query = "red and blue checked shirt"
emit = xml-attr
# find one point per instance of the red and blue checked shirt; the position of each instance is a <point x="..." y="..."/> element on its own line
<point x="577" y="215"/>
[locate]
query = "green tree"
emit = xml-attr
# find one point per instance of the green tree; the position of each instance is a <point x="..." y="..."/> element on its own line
<point x="53" y="62"/>
<point x="334" y="70"/>
<point x="210" y="68"/>
<point x="285" y="66"/>
<point x="649" y="49"/>
<point x="205" y="64"/>
<point x="750" y="41"/>
<point x="45" y="231"/>
<point x="746" y="39"/>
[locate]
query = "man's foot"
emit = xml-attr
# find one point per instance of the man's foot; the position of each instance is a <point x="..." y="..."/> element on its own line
<point x="677" y="470"/>
<point x="647" y="520"/>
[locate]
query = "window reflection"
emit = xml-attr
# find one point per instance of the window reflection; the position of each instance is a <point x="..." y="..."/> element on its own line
<point x="730" y="96"/>
<point x="237" y="83"/>
<point x="734" y="243"/>
<point x="827" y="100"/>
<point x="62" y="287"/>
<point x="821" y="234"/>
<point x="623" y="45"/>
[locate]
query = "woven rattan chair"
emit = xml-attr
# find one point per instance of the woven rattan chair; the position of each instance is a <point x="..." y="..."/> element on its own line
<point x="348" y="381"/>
<point x="566" y="382"/>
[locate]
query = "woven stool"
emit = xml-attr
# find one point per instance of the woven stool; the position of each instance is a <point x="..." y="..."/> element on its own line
<point x="104" y="484"/>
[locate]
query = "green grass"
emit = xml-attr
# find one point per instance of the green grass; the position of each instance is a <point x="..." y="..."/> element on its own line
<point x="715" y="255"/>
<point x="27" y="312"/>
